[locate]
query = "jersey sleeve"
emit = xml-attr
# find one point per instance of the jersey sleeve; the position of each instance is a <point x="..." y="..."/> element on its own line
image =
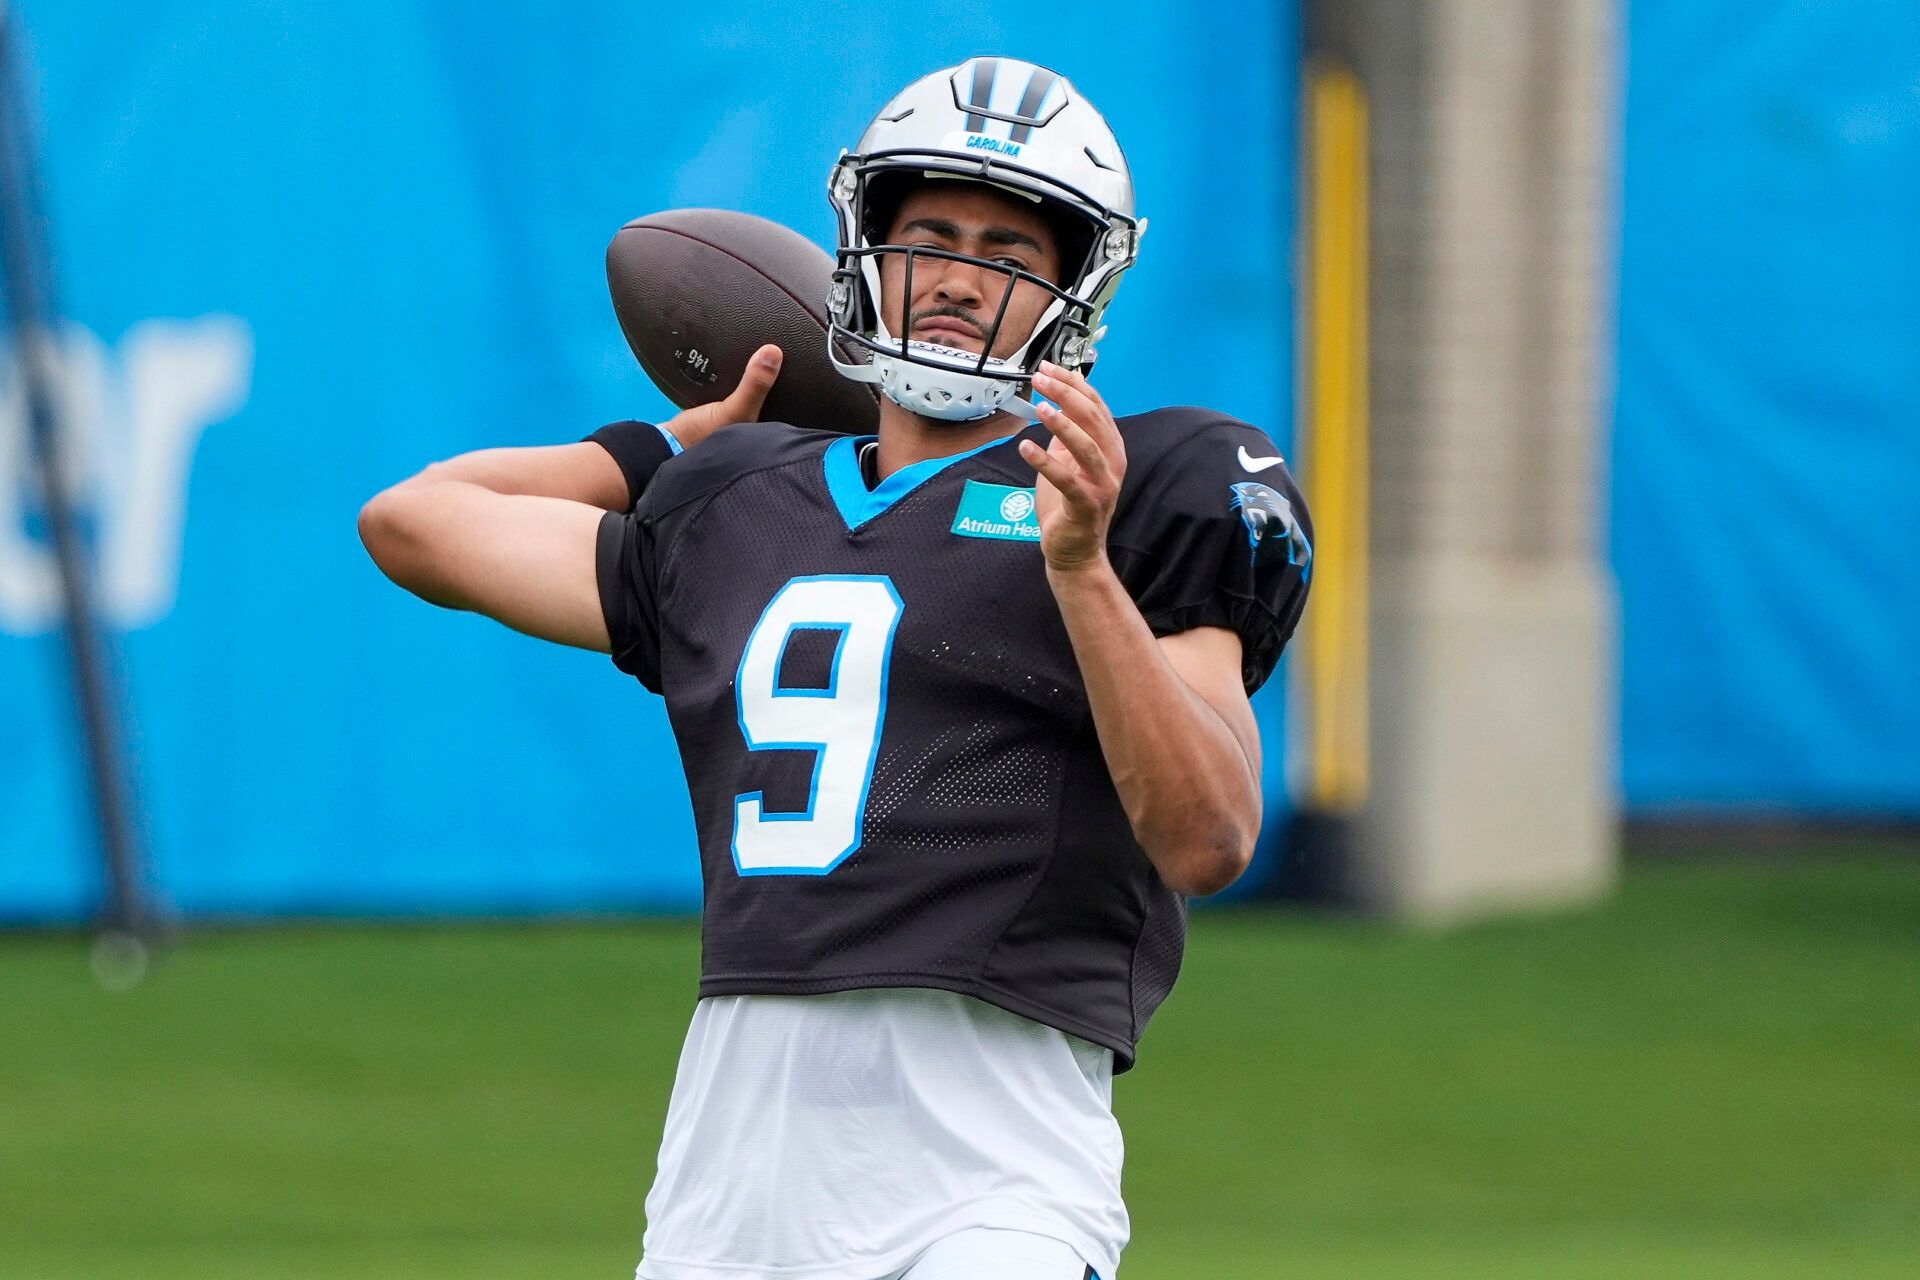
<point x="1204" y="540"/>
<point x="637" y="548"/>
<point x="626" y="567"/>
<point x="639" y="448"/>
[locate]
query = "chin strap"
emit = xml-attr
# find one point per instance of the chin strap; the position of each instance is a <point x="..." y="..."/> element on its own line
<point x="1021" y="407"/>
<point x="936" y="390"/>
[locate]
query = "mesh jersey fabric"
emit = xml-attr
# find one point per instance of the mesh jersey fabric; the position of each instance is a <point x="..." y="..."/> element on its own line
<point x="993" y="857"/>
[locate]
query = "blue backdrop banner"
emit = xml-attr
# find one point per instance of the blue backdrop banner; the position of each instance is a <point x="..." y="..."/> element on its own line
<point x="306" y="248"/>
<point x="1767" y="438"/>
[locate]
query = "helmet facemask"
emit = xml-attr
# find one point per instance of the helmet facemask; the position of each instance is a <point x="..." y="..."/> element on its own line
<point x="1096" y="238"/>
<point x="950" y="382"/>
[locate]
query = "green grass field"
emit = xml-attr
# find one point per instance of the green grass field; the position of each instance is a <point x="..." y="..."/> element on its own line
<point x="1716" y="1074"/>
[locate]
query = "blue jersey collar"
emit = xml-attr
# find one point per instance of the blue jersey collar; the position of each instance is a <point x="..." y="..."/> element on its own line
<point x="858" y="504"/>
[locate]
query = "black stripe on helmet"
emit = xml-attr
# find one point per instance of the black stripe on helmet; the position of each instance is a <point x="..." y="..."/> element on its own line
<point x="985" y="70"/>
<point x="1038" y="87"/>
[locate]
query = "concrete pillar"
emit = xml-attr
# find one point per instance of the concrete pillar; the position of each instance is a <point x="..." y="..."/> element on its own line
<point x="1491" y="736"/>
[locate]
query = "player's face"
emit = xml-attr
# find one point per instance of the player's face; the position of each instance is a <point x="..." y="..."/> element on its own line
<point x="954" y="303"/>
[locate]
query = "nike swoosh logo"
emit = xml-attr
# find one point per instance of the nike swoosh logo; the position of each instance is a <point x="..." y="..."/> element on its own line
<point x="1257" y="465"/>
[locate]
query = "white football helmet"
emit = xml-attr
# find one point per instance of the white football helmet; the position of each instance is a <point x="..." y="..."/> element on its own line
<point x="1023" y="129"/>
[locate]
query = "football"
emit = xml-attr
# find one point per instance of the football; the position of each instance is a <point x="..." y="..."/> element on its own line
<point x="698" y="291"/>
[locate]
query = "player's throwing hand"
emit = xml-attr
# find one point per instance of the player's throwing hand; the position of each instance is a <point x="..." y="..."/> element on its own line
<point x="1080" y="472"/>
<point x="691" y="426"/>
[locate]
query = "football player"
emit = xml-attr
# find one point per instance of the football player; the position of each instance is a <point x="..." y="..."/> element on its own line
<point x="963" y="709"/>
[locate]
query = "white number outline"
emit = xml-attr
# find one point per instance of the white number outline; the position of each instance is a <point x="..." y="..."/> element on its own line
<point x="748" y="807"/>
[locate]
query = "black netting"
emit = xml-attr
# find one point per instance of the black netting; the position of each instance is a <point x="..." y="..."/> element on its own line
<point x="807" y="661"/>
<point x="1156" y="964"/>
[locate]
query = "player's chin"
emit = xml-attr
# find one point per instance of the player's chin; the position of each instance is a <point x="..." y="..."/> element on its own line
<point x="951" y="339"/>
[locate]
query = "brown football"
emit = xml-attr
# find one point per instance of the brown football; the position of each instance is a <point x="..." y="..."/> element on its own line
<point x="698" y="291"/>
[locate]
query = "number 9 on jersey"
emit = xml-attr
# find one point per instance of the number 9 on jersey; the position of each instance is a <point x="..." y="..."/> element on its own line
<point x="840" y="722"/>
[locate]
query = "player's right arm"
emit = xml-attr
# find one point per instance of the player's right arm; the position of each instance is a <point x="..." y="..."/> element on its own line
<point x="586" y="472"/>
<point x="513" y="533"/>
<point x="526" y="560"/>
<point x="609" y="470"/>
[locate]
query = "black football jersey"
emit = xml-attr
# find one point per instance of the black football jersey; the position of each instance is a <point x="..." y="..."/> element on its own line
<point x="894" y="771"/>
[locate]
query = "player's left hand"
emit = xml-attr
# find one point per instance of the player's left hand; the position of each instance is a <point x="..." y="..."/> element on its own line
<point x="1079" y="472"/>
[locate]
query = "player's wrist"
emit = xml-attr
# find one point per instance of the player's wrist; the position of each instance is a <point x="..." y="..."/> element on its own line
<point x="689" y="427"/>
<point x="1079" y="567"/>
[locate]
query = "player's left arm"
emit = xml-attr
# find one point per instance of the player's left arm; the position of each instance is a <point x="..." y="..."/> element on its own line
<point x="1172" y="712"/>
<point x="1175" y="727"/>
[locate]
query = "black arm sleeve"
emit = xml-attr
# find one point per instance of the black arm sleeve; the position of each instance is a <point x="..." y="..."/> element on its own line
<point x="639" y="448"/>
<point x="1201" y="542"/>
<point x="625" y="566"/>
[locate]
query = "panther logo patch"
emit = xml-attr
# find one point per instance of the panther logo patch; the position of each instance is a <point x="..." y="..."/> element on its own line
<point x="1270" y="524"/>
